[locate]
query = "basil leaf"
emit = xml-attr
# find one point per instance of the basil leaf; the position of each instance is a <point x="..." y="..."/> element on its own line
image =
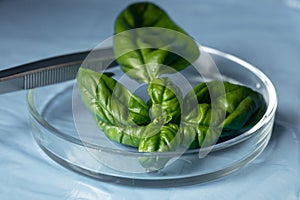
<point x="203" y="116"/>
<point x="148" y="43"/>
<point x="111" y="101"/>
<point x="200" y="128"/>
<point x="200" y="136"/>
<point x="162" y="139"/>
<point x="139" y="111"/>
<point x="239" y="102"/>
<point x="189" y="136"/>
<point x="200" y="93"/>
<point x="127" y="135"/>
<point x="165" y="98"/>
<point x="222" y="106"/>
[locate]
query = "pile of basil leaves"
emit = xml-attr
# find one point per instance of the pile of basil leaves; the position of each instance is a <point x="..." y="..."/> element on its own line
<point x="160" y="125"/>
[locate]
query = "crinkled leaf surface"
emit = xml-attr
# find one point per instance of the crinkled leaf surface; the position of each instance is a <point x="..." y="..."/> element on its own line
<point x="148" y="43"/>
<point x="223" y="107"/>
<point x="112" y="102"/>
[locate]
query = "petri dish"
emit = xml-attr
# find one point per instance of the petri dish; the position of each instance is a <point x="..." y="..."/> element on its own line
<point x="55" y="131"/>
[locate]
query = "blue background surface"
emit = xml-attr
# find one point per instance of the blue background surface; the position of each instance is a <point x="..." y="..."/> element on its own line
<point x="265" y="33"/>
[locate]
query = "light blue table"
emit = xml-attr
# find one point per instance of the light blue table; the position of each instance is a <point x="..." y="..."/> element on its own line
<point x="264" y="32"/>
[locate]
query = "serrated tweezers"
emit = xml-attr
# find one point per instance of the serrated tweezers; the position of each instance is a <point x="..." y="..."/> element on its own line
<point x="48" y="71"/>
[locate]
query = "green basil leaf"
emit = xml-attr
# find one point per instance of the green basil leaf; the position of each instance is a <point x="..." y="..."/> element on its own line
<point x="148" y="43"/>
<point x="199" y="136"/>
<point x="204" y="115"/>
<point x="139" y="111"/>
<point x="127" y="135"/>
<point x="256" y="116"/>
<point x="189" y="136"/>
<point x="200" y="127"/>
<point x="239" y="102"/>
<point x="161" y="139"/>
<point x="240" y="116"/>
<point x="111" y="101"/>
<point x="165" y="139"/>
<point x="200" y="93"/>
<point x="165" y="98"/>
<point x="222" y="105"/>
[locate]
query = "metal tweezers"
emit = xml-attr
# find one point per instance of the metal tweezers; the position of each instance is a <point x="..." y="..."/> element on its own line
<point x="48" y="71"/>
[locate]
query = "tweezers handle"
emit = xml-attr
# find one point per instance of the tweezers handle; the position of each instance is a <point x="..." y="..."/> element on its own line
<point x="48" y="71"/>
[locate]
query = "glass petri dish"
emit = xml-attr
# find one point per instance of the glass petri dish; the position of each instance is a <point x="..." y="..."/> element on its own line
<point x="55" y="132"/>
